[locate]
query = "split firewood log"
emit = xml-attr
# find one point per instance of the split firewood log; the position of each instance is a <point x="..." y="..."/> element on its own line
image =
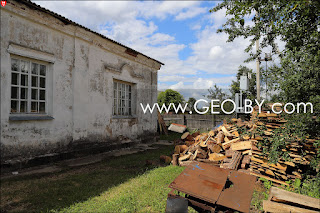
<point x="175" y="159"/>
<point x="227" y="145"/>
<point x="220" y="137"/>
<point x="165" y="159"/>
<point x="226" y="132"/>
<point x="215" y="148"/>
<point x="180" y="149"/>
<point x="185" y="135"/>
<point x="216" y="157"/>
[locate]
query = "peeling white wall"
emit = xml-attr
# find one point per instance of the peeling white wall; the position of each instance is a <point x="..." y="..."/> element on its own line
<point x="83" y="70"/>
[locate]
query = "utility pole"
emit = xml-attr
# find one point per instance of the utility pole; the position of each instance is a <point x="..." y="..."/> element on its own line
<point x="258" y="66"/>
<point x="266" y="58"/>
<point x="258" y="73"/>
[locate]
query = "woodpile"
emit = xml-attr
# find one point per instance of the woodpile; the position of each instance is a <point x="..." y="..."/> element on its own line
<point x="284" y="201"/>
<point x="234" y="145"/>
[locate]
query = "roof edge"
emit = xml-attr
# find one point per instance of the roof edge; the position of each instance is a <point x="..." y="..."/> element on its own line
<point x="68" y="21"/>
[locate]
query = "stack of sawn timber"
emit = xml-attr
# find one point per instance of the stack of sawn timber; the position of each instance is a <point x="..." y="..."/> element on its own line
<point x="228" y="146"/>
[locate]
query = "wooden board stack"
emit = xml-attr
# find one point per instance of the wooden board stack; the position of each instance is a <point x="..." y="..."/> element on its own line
<point x="230" y="147"/>
<point x="284" y="201"/>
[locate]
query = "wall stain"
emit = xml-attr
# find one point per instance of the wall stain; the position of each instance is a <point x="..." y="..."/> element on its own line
<point x="109" y="130"/>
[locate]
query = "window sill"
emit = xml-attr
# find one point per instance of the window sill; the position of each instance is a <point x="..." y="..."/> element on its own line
<point x="29" y="117"/>
<point x="124" y="117"/>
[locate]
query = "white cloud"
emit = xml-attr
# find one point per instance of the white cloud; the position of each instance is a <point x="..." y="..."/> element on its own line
<point x="93" y="13"/>
<point x="195" y="27"/>
<point x="190" y="13"/>
<point x="160" y="39"/>
<point x="130" y="31"/>
<point x="163" y="9"/>
<point x="196" y="83"/>
<point x="173" y="78"/>
<point x="179" y="85"/>
<point x="129" y="22"/>
<point x="215" y="52"/>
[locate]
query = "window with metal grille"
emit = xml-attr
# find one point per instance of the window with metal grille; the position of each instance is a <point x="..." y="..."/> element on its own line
<point x="122" y="99"/>
<point x="28" y="86"/>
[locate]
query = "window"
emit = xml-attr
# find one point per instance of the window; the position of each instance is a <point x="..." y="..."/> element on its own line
<point x="28" y="87"/>
<point x="122" y="102"/>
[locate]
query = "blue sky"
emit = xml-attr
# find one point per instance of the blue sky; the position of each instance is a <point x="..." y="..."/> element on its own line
<point x="180" y="34"/>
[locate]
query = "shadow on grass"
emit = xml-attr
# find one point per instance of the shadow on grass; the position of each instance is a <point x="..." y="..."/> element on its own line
<point x="171" y="136"/>
<point x="59" y="190"/>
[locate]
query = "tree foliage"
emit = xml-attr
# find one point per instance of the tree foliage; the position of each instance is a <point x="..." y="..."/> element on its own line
<point x="170" y="96"/>
<point x="295" y="22"/>
<point x="191" y="101"/>
<point x="297" y="76"/>
<point x="216" y="92"/>
<point x="235" y="85"/>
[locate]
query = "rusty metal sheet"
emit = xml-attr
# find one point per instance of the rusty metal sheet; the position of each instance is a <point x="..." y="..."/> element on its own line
<point x="239" y="191"/>
<point x="216" y="185"/>
<point x="202" y="181"/>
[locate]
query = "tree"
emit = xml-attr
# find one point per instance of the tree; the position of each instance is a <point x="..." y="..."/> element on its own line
<point x="191" y="103"/>
<point x="170" y="96"/>
<point x="298" y="76"/>
<point x="216" y="93"/>
<point x="297" y="24"/>
<point x="235" y="85"/>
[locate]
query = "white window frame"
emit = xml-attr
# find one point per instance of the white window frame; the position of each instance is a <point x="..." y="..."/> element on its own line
<point x="122" y="106"/>
<point x="30" y="86"/>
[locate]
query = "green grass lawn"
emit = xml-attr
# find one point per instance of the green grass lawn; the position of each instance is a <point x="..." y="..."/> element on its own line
<point x="111" y="180"/>
<point x="145" y="193"/>
<point x="120" y="184"/>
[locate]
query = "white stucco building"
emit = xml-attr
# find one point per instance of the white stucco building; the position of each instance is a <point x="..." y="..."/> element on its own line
<point x="64" y="87"/>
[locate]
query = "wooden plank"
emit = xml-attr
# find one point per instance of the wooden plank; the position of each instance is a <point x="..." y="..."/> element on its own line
<point x="266" y="164"/>
<point x="249" y="152"/>
<point x="185" y="157"/>
<point x="280" y="194"/>
<point x="297" y="174"/>
<point x="269" y="172"/>
<point x="229" y="153"/>
<point x="269" y="206"/>
<point x="194" y="156"/>
<point x="235" y="161"/>
<point x="268" y="167"/>
<point x="284" y="177"/>
<point x="225" y="131"/>
<point x="272" y="115"/>
<point x="228" y="144"/>
<point x="220" y="137"/>
<point x="214" y="148"/>
<point x="236" y="134"/>
<point x="241" y="145"/>
<point x="246" y="137"/>
<point x="162" y="124"/>
<point x="269" y="178"/>
<point x="262" y="115"/>
<point x="290" y="163"/>
<point x="268" y="133"/>
<point x="216" y="157"/>
<point x="185" y="163"/>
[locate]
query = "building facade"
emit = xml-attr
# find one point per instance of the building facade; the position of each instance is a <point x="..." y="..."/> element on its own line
<point x="63" y="84"/>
